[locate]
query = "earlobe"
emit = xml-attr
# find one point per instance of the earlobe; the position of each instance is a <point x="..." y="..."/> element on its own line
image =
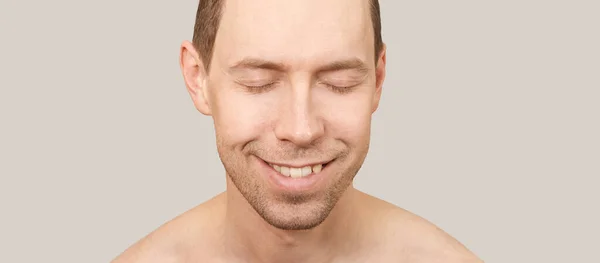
<point x="195" y="77"/>
<point x="379" y="77"/>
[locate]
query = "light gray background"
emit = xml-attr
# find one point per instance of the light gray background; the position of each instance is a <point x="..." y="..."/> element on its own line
<point x="488" y="126"/>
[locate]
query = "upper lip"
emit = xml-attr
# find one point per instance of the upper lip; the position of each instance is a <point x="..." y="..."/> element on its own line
<point x="296" y="164"/>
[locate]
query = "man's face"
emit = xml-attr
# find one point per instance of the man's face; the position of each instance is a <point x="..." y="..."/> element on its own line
<point x="291" y="89"/>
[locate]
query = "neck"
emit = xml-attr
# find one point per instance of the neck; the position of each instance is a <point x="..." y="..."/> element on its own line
<point x="251" y="238"/>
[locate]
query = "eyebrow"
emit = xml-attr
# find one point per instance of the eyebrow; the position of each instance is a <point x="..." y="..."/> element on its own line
<point x="256" y="63"/>
<point x="353" y="64"/>
<point x="344" y="64"/>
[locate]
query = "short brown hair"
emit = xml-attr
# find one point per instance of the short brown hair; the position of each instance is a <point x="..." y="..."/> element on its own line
<point x="208" y="18"/>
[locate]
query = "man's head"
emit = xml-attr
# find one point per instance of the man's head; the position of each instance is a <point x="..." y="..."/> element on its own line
<point x="289" y="84"/>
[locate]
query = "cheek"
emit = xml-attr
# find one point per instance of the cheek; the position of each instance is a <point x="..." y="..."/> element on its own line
<point x="348" y="116"/>
<point x="240" y="117"/>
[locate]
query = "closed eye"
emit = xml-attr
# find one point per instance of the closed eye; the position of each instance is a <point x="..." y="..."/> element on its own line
<point x="260" y="88"/>
<point x="340" y="89"/>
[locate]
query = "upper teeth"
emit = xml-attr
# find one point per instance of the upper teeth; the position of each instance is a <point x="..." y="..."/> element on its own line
<point x="297" y="172"/>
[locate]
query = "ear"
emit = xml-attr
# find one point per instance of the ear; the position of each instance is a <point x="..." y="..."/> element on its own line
<point x="195" y="77"/>
<point x="379" y="77"/>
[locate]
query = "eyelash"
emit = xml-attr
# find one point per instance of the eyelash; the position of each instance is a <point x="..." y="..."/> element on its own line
<point x="262" y="88"/>
<point x="339" y="89"/>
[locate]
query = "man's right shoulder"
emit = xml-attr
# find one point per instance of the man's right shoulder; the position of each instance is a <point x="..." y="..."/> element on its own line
<point x="177" y="239"/>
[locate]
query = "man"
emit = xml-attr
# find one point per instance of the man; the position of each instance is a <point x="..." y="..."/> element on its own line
<point x="291" y="86"/>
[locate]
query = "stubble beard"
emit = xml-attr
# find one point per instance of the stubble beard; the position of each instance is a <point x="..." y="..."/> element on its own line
<point x="290" y="211"/>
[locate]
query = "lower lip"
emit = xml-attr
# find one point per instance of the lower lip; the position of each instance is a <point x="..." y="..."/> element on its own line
<point x="289" y="184"/>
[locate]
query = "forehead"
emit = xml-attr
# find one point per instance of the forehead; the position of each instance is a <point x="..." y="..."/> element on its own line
<point x="299" y="33"/>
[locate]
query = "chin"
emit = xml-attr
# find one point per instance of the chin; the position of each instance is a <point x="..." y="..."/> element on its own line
<point x="299" y="212"/>
<point x="303" y="216"/>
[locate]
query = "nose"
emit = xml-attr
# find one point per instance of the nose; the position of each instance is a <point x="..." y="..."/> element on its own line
<point x="299" y="121"/>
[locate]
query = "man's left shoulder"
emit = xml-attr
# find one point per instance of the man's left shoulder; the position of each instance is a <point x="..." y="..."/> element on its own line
<point x="415" y="239"/>
<point x="422" y="241"/>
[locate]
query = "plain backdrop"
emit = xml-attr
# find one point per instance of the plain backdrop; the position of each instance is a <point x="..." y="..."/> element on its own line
<point x="488" y="127"/>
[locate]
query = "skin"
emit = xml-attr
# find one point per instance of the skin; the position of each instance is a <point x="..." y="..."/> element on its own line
<point x="292" y="82"/>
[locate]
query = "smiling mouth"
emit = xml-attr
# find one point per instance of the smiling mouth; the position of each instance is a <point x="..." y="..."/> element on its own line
<point x="298" y="172"/>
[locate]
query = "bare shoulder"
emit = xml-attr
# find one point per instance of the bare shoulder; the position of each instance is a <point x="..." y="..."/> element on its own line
<point x="414" y="239"/>
<point x="172" y="241"/>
